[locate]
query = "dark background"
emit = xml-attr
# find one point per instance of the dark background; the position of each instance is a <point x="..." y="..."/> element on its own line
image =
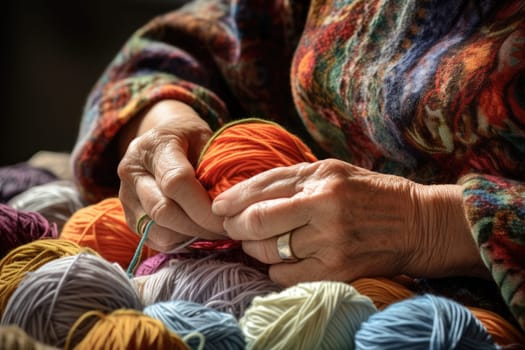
<point x="51" y="54"/>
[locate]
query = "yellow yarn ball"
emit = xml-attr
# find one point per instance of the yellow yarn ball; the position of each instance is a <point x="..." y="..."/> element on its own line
<point x="126" y="329"/>
<point x="309" y="315"/>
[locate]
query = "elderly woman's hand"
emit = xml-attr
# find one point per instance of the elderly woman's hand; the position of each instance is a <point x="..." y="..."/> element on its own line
<point x="347" y="222"/>
<point x="158" y="178"/>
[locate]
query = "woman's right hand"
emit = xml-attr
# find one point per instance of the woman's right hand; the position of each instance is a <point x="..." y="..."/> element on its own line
<point x="160" y="150"/>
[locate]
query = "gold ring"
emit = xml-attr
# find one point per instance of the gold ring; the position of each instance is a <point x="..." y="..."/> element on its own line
<point x="284" y="248"/>
<point x="142" y="223"/>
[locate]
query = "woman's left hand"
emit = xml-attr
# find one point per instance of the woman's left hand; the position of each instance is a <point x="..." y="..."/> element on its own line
<point x="347" y="222"/>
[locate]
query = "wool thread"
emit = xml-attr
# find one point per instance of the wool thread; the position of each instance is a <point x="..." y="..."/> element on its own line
<point x="219" y="329"/>
<point x="138" y="251"/>
<point x="221" y="285"/>
<point x="424" y="322"/>
<point x="247" y="147"/>
<point x="29" y="257"/>
<point x="49" y="300"/>
<point x="21" y="227"/>
<point x="123" y="329"/>
<point x="234" y="255"/>
<point x="102" y="227"/>
<point x="309" y="315"/>
<point x="57" y="201"/>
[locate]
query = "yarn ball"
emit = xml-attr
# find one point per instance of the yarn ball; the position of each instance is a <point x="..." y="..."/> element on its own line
<point x="385" y="292"/>
<point x="14" y="338"/>
<point x="29" y="257"/>
<point x="240" y="150"/>
<point x="309" y="315"/>
<point x="125" y="330"/>
<point x="102" y="227"/>
<point x="220" y="329"/>
<point x="424" y="322"/>
<point x="247" y="147"/>
<point x="49" y="300"/>
<point x="382" y="291"/>
<point x="235" y="255"/>
<point x="224" y="286"/>
<point x="21" y="227"/>
<point x="56" y="201"/>
<point x="17" y="178"/>
<point x="502" y="331"/>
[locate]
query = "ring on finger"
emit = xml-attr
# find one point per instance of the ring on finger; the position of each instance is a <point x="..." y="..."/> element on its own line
<point x="143" y="221"/>
<point x="284" y="247"/>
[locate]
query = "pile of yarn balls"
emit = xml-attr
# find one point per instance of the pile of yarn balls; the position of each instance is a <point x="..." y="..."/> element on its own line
<point x="59" y="292"/>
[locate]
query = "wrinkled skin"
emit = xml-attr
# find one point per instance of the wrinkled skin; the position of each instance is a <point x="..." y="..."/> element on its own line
<point x="157" y="176"/>
<point x="348" y="222"/>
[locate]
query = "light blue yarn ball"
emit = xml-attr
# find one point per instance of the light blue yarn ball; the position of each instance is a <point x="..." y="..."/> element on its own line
<point x="424" y="322"/>
<point x="220" y="329"/>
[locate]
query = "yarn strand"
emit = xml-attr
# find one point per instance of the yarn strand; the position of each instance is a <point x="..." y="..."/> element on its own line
<point x="138" y="252"/>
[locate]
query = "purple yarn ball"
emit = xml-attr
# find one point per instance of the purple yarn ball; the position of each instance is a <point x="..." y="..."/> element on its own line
<point x="17" y="178"/>
<point x="21" y="227"/>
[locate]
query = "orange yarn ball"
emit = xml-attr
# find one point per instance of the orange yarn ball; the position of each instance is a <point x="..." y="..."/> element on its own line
<point x="102" y="227"/>
<point x="500" y="329"/>
<point x="382" y="291"/>
<point x="246" y="148"/>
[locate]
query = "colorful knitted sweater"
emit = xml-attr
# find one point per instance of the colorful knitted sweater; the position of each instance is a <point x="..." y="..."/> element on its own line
<point x="433" y="90"/>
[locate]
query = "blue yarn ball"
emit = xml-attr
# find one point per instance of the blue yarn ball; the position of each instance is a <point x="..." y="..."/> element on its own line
<point x="424" y="322"/>
<point x="220" y="329"/>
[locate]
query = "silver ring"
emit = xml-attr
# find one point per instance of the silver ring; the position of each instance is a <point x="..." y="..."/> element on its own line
<point x="284" y="249"/>
<point x="142" y="223"/>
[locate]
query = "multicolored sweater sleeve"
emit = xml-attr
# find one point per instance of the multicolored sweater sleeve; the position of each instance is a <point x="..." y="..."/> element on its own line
<point x="496" y="210"/>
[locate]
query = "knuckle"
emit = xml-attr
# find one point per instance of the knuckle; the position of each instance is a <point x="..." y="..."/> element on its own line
<point x="159" y="211"/>
<point x="174" y="180"/>
<point x="124" y="168"/>
<point x="255" y="220"/>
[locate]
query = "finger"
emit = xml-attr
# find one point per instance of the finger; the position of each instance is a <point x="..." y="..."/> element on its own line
<point x="265" y="219"/>
<point x="301" y="245"/>
<point x="164" y="240"/>
<point x="274" y="183"/>
<point x="176" y="179"/>
<point x="167" y="214"/>
<point x="159" y="238"/>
